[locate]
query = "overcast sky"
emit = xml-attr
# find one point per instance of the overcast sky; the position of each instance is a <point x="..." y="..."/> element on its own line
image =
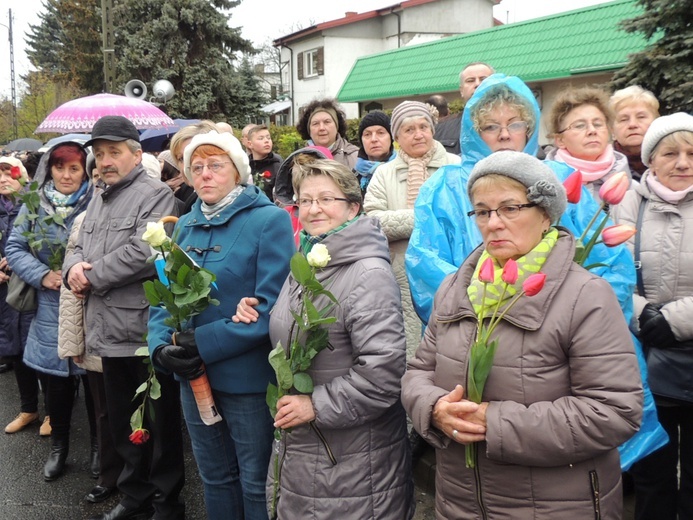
<point x="259" y="21"/>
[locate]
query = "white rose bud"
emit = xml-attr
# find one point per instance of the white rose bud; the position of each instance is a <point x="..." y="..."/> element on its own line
<point x="318" y="256"/>
<point x="155" y="235"/>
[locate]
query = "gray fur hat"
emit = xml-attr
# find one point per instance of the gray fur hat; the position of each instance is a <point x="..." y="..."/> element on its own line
<point x="662" y="127"/>
<point x="543" y="187"/>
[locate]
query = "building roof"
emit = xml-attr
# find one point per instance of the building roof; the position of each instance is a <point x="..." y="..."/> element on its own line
<point x="582" y="41"/>
<point x="353" y="17"/>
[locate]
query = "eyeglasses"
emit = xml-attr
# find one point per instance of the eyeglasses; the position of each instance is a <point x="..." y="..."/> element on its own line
<point x="216" y="167"/>
<point x="510" y="212"/>
<point x="518" y="127"/>
<point x="323" y="202"/>
<point x="581" y="126"/>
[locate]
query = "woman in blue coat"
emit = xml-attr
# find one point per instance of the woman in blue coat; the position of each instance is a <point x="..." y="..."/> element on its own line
<point x="247" y="242"/>
<point x="64" y="191"/>
<point x="14" y="326"/>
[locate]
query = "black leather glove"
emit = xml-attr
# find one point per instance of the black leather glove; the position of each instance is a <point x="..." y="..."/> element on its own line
<point x="655" y="330"/>
<point x="179" y="361"/>
<point x="186" y="339"/>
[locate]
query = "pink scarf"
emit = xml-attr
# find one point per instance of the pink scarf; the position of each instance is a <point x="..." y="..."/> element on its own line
<point x="664" y="193"/>
<point x="591" y="170"/>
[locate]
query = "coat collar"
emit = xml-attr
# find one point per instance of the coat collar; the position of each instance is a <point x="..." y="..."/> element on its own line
<point x="529" y="315"/>
<point x="124" y="183"/>
<point x="251" y="197"/>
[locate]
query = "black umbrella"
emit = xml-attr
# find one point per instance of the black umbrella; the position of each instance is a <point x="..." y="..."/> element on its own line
<point x="24" y="144"/>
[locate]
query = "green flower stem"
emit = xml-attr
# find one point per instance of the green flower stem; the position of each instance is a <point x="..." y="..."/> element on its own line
<point x="592" y="221"/>
<point x="493" y="326"/>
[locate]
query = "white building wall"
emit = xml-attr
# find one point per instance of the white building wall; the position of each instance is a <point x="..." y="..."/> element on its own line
<point x="344" y="44"/>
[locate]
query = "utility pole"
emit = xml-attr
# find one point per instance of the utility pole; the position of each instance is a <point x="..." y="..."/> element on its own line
<point x="13" y="87"/>
<point x="108" y="45"/>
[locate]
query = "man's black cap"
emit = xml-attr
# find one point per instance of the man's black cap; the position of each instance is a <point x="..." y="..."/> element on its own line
<point x="113" y="128"/>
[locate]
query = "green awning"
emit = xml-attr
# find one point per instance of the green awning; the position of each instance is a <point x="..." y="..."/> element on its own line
<point x="583" y="41"/>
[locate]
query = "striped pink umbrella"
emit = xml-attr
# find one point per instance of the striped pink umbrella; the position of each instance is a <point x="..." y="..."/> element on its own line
<point x="80" y="115"/>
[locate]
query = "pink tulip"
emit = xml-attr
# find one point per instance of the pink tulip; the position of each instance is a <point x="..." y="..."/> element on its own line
<point x="509" y="275"/>
<point x="615" y="235"/>
<point x="573" y="186"/>
<point x="615" y="188"/>
<point x="533" y="284"/>
<point x="487" y="273"/>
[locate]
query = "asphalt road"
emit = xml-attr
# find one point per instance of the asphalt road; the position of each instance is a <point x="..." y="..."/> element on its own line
<point x="24" y="495"/>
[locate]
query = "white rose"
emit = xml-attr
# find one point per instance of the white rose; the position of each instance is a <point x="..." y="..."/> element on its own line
<point x="155" y="235"/>
<point x="318" y="256"/>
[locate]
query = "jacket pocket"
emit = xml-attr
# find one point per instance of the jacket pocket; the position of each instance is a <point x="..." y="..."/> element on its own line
<point x="126" y="316"/>
<point x="594" y="486"/>
<point x="120" y="230"/>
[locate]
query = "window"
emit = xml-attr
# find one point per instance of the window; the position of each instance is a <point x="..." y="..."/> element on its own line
<point x="311" y="61"/>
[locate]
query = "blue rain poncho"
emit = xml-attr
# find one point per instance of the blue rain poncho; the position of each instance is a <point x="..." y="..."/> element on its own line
<point x="444" y="236"/>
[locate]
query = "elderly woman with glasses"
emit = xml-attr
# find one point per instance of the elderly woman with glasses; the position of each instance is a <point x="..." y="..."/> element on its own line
<point x="580" y="123"/>
<point x="346" y="455"/>
<point x="392" y="192"/>
<point x="661" y="208"/>
<point x="563" y="389"/>
<point x="246" y="241"/>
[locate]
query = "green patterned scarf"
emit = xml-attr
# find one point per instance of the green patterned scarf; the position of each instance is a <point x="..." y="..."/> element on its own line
<point x="527" y="265"/>
<point x="308" y="241"/>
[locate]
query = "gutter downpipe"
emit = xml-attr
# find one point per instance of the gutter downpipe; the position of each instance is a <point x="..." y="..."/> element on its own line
<point x="291" y="82"/>
<point x="399" y="27"/>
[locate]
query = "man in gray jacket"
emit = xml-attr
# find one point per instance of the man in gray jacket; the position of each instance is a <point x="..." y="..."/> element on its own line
<point x="107" y="268"/>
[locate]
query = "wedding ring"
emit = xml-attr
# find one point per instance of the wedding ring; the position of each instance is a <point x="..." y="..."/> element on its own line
<point x="454" y="434"/>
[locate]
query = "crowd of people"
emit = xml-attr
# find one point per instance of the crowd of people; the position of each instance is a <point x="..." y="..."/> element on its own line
<point x="431" y="227"/>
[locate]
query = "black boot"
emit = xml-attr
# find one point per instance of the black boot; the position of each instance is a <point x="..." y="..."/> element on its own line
<point x="55" y="465"/>
<point x="94" y="459"/>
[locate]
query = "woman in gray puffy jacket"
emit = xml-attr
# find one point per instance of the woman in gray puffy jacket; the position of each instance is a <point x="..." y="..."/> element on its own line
<point x="361" y="466"/>
<point x="563" y="391"/>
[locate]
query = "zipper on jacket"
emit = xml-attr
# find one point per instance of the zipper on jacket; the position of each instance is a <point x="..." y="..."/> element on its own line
<point x="479" y="496"/>
<point x="594" y="483"/>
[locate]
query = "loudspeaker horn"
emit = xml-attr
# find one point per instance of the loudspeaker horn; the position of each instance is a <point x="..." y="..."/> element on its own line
<point x="163" y="90"/>
<point x="136" y="89"/>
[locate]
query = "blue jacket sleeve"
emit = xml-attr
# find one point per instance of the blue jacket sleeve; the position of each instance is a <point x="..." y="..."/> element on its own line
<point x="442" y="238"/>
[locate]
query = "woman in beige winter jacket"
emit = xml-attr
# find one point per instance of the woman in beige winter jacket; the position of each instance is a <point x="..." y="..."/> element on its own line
<point x="661" y="208"/>
<point x="105" y="463"/>
<point x="564" y="388"/>
<point x="393" y="190"/>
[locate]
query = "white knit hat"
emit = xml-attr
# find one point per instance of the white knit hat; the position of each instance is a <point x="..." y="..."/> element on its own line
<point x="13" y="161"/>
<point x="226" y="142"/>
<point x="662" y="127"/>
<point x="151" y="166"/>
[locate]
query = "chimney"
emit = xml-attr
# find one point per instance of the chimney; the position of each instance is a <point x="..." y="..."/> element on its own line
<point x="349" y="14"/>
